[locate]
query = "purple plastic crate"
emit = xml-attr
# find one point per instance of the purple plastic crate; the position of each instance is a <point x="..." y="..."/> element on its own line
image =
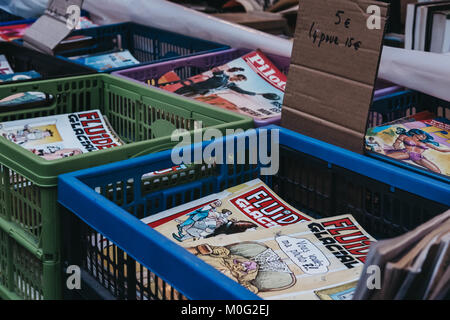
<point x="191" y="66"/>
<point x="383" y="88"/>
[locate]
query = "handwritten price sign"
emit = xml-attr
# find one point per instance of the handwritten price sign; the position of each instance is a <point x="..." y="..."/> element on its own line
<point x="334" y="65"/>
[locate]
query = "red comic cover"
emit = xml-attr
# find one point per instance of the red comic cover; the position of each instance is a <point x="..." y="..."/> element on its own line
<point x="251" y="85"/>
<point x="13" y="32"/>
<point x="247" y="207"/>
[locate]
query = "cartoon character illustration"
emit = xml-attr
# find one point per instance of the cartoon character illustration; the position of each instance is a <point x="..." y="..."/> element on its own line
<point x="253" y="265"/>
<point x="415" y="143"/>
<point x="219" y="81"/>
<point x="207" y="222"/>
<point x="27" y="134"/>
<point x="53" y="153"/>
<point x="373" y="145"/>
<point x="196" y="215"/>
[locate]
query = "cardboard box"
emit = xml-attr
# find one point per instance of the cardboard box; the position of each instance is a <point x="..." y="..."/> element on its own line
<point x="334" y="65"/>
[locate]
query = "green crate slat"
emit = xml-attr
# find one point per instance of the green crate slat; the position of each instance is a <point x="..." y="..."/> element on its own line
<point x="29" y="213"/>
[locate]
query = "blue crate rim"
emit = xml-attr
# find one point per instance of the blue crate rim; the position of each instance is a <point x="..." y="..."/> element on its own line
<point x="94" y="210"/>
<point x="392" y="175"/>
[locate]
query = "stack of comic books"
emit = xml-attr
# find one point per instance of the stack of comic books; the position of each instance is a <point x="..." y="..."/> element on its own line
<point x="250" y="85"/>
<point x="421" y="140"/>
<point x="251" y="235"/>
<point x="414" y="266"/>
<point x="61" y="136"/>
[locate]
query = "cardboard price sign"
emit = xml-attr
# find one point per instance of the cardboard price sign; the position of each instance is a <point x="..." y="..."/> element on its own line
<point x="334" y="64"/>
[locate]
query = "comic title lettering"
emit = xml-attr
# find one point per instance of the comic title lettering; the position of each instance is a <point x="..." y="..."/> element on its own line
<point x="91" y="133"/>
<point x="342" y="238"/>
<point x="266" y="209"/>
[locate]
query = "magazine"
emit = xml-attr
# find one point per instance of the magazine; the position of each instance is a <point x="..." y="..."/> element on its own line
<point x="250" y="85"/>
<point x="61" y="136"/>
<point x="107" y="61"/>
<point x="416" y="141"/>
<point x="247" y="207"/>
<point x="235" y="210"/>
<point x="19" y="76"/>
<point x="13" y="32"/>
<point x="24" y="98"/>
<point x="5" y="68"/>
<point x="320" y="259"/>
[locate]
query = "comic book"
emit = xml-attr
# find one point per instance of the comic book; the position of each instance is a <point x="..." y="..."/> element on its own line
<point x="19" y="76"/>
<point x="23" y="98"/>
<point x="13" y="32"/>
<point x="251" y="85"/>
<point x="247" y="207"/>
<point x="107" y="61"/>
<point x="419" y="141"/>
<point x="60" y="136"/>
<point x="320" y="259"/>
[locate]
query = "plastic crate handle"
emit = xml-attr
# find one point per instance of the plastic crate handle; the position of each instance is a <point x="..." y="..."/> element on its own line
<point x="48" y="102"/>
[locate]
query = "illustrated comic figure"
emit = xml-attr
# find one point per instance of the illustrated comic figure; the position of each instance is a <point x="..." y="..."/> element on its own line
<point x="204" y="227"/>
<point x="373" y="145"/>
<point x="197" y="215"/>
<point x="415" y="143"/>
<point x="207" y="222"/>
<point x="27" y="134"/>
<point x="219" y="81"/>
<point x="53" y="153"/>
<point x="253" y="265"/>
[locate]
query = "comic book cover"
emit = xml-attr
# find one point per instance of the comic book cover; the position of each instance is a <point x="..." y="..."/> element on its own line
<point x="13" y="32"/>
<point x="250" y="85"/>
<point x="23" y="98"/>
<point x="424" y="143"/>
<point x="17" y="76"/>
<point x="61" y="136"/>
<point x="5" y="68"/>
<point x="321" y="259"/>
<point x="318" y="259"/>
<point x="247" y="207"/>
<point x="107" y="61"/>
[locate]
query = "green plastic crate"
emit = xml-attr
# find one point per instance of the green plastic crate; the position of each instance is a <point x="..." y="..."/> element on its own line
<point x="30" y="230"/>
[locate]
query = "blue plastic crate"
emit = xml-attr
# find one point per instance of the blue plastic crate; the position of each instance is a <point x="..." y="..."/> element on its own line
<point x="148" y="45"/>
<point x="318" y="178"/>
<point x="403" y="103"/>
